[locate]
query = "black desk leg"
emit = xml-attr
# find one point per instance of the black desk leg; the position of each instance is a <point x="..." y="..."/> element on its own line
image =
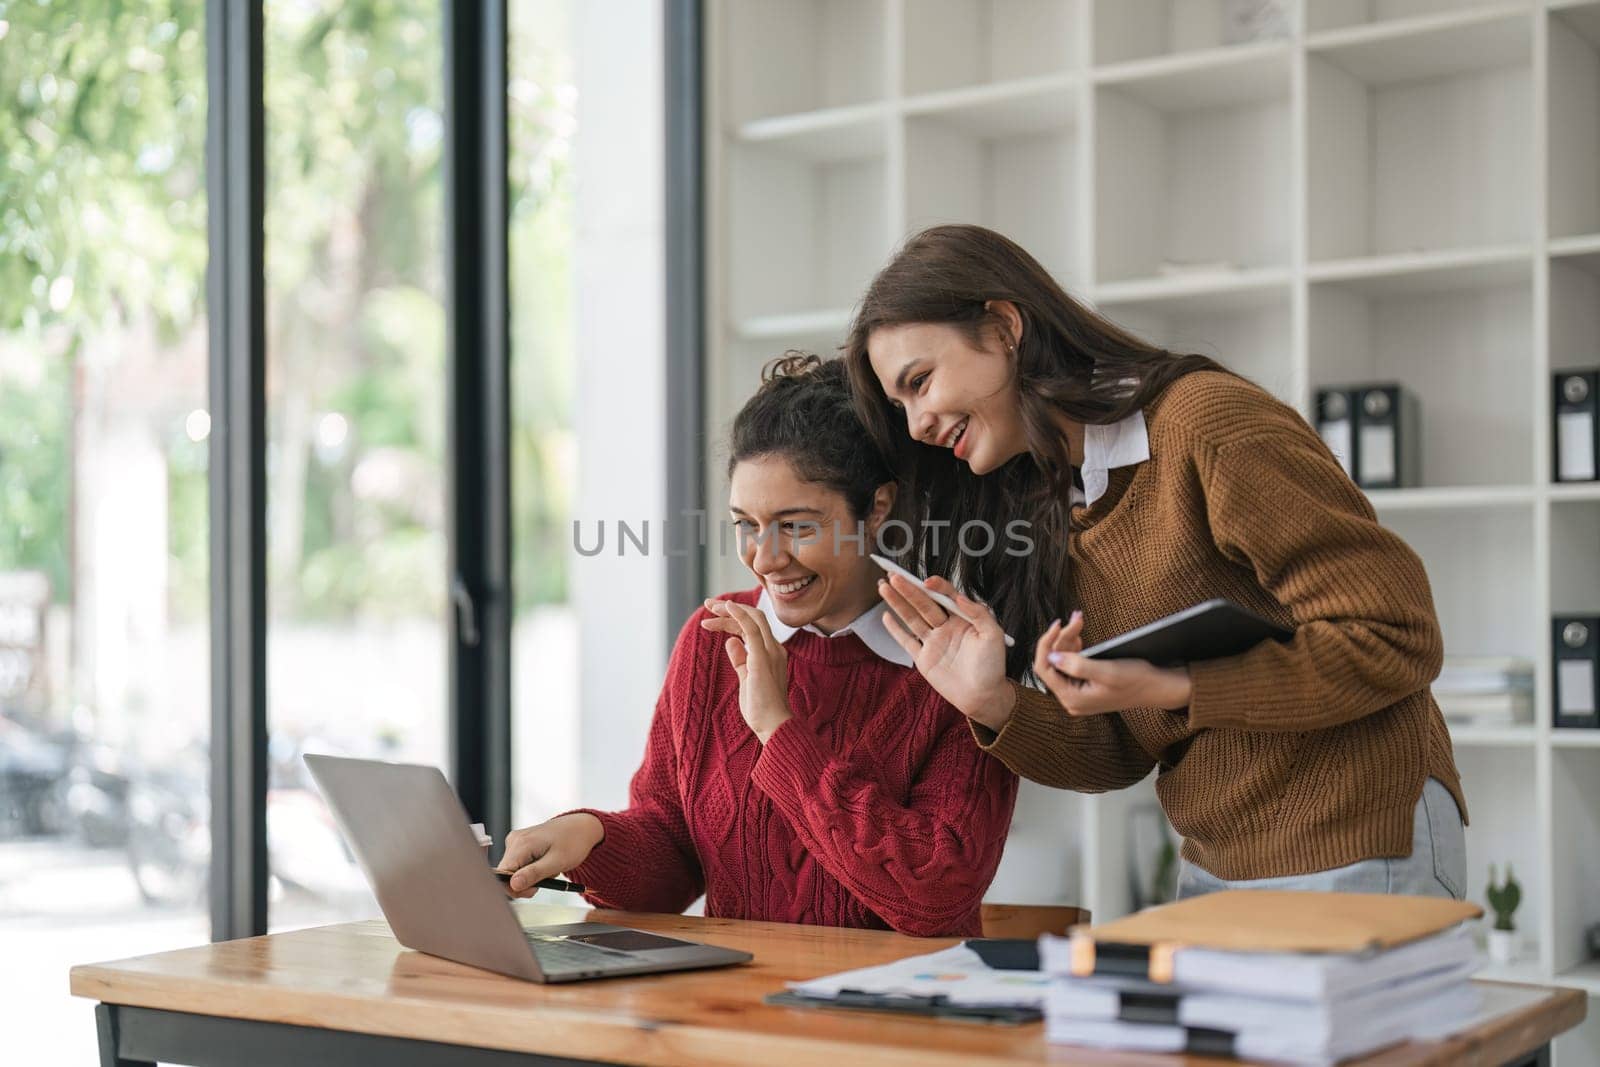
<point x="105" y="1022"/>
<point x="1539" y="1057"/>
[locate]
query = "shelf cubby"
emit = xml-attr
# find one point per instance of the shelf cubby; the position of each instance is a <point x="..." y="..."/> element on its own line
<point x="1575" y="799"/>
<point x="785" y="57"/>
<point x="1493" y="736"/>
<point x="1580" y="252"/>
<point x="955" y="43"/>
<point x="1191" y="170"/>
<point x="1575" y="737"/>
<point x="1502" y="829"/>
<point x="1356" y="19"/>
<point x="1574" y="139"/>
<point x="1416" y="273"/>
<point x="1127" y="30"/>
<point x="819" y="202"/>
<point x="1574" y="343"/>
<point x="1245" y="328"/>
<point x="1007" y="161"/>
<point x="1454" y="498"/>
<point x="1465" y="352"/>
<point x="1575" y="558"/>
<point x="1483" y="583"/>
<point x="1421" y="142"/>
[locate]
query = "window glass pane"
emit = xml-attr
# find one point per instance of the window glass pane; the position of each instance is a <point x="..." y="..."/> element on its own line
<point x="356" y="653"/>
<point x="544" y="682"/>
<point x="104" y="654"/>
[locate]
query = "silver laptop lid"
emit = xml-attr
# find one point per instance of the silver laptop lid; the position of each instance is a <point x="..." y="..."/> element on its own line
<point x="411" y="836"/>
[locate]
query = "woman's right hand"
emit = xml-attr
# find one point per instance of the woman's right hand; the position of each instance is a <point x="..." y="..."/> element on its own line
<point x="965" y="663"/>
<point x="549" y="849"/>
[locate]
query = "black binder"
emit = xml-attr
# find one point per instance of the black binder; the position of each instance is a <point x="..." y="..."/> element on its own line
<point x="1375" y="432"/>
<point x="1577" y="670"/>
<point x="1336" y="426"/>
<point x="1388" y="449"/>
<point x="1576" y="437"/>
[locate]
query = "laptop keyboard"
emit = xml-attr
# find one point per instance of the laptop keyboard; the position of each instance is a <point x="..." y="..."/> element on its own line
<point x="560" y="955"/>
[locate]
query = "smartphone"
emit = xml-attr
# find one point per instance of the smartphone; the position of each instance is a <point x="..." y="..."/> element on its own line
<point x="938" y="598"/>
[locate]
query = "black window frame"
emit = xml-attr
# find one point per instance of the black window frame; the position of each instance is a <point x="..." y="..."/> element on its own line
<point x="473" y="43"/>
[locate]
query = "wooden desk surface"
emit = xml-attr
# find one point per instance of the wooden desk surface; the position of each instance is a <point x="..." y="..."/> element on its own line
<point x="357" y="977"/>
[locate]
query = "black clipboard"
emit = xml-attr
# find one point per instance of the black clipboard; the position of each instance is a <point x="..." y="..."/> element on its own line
<point x="1211" y="630"/>
<point x="1006" y="953"/>
<point x="936" y="1006"/>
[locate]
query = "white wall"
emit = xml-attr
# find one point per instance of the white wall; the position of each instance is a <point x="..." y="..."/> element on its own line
<point x="620" y="417"/>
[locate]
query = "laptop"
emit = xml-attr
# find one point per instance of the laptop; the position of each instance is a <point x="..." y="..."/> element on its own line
<point x="411" y="836"/>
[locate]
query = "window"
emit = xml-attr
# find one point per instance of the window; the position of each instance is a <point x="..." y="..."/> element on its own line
<point x="356" y="631"/>
<point x="104" y="613"/>
<point x="542" y="121"/>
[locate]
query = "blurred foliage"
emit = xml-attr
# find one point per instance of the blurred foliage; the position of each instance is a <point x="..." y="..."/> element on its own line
<point x="103" y="240"/>
<point x="542" y="105"/>
<point x="102" y="225"/>
<point x="102" y="145"/>
<point x="35" y="475"/>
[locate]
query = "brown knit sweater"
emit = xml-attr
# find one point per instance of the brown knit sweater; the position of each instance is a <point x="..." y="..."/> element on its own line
<point x="1293" y="757"/>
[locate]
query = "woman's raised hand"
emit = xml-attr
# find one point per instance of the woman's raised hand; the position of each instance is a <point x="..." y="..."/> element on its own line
<point x="964" y="662"/>
<point x="1093" y="686"/>
<point x="551" y="848"/>
<point x="760" y="661"/>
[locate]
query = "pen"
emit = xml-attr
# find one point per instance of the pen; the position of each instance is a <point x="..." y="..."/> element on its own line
<point x="560" y="885"/>
<point x="938" y="598"/>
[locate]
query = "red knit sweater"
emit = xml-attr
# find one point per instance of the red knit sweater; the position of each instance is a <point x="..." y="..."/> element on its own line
<point x="870" y="808"/>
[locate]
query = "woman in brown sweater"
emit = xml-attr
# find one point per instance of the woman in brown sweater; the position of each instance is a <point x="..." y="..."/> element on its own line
<point x="1151" y="481"/>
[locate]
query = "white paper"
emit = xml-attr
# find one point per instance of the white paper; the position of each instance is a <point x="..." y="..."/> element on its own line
<point x="1336" y="435"/>
<point x="956" y="972"/>
<point x="1576" y="678"/>
<point x="1575" y="447"/>
<point x="1377" y="454"/>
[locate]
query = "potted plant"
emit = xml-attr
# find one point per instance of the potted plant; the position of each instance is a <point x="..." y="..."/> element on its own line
<point x="1503" y="899"/>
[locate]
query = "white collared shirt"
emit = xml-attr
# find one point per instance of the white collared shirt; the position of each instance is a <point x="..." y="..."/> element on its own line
<point x="868" y="626"/>
<point x="1105" y="448"/>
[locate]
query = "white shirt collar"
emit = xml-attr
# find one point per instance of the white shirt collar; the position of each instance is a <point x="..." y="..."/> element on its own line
<point x="868" y="626"/>
<point x="1105" y="448"/>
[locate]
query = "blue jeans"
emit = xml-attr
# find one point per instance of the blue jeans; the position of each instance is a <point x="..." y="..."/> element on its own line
<point x="1437" y="866"/>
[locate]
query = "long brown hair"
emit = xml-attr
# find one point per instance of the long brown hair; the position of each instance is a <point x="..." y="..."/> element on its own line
<point x="1069" y="361"/>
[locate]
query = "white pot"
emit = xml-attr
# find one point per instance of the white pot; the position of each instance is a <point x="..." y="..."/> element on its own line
<point x="1503" y="946"/>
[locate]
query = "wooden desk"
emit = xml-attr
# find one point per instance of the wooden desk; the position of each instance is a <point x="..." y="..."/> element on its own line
<point x="352" y="994"/>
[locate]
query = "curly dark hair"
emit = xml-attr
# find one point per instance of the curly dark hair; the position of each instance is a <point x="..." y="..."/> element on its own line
<point x="804" y="412"/>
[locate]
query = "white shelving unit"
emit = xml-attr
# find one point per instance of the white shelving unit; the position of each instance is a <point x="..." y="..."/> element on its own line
<point x="1399" y="189"/>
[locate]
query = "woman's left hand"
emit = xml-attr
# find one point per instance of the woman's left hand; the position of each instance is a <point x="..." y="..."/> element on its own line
<point x="760" y="661"/>
<point x="1086" y="686"/>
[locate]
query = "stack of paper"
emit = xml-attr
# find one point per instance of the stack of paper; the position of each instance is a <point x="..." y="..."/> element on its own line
<point x="1485" y="690"/>
<point x="1346" y="995"/>
<point x="952" y="982"/>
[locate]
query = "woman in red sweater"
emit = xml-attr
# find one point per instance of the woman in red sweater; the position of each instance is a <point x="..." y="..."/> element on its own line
<point x="798" y="769"/>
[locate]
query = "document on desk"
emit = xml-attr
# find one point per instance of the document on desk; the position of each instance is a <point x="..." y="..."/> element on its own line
<point x="955" y="973"/>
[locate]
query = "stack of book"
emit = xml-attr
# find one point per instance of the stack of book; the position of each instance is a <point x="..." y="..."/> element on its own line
<point x="1485" y="690"/>
<point x="1313" y="980"/>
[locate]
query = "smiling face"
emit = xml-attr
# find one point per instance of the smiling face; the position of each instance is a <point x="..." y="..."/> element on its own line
<point x="954" y="395"/>
<point x="787" y="537"/>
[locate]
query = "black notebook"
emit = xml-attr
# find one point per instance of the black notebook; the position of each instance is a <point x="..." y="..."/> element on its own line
<point x="1212" y="630"/>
